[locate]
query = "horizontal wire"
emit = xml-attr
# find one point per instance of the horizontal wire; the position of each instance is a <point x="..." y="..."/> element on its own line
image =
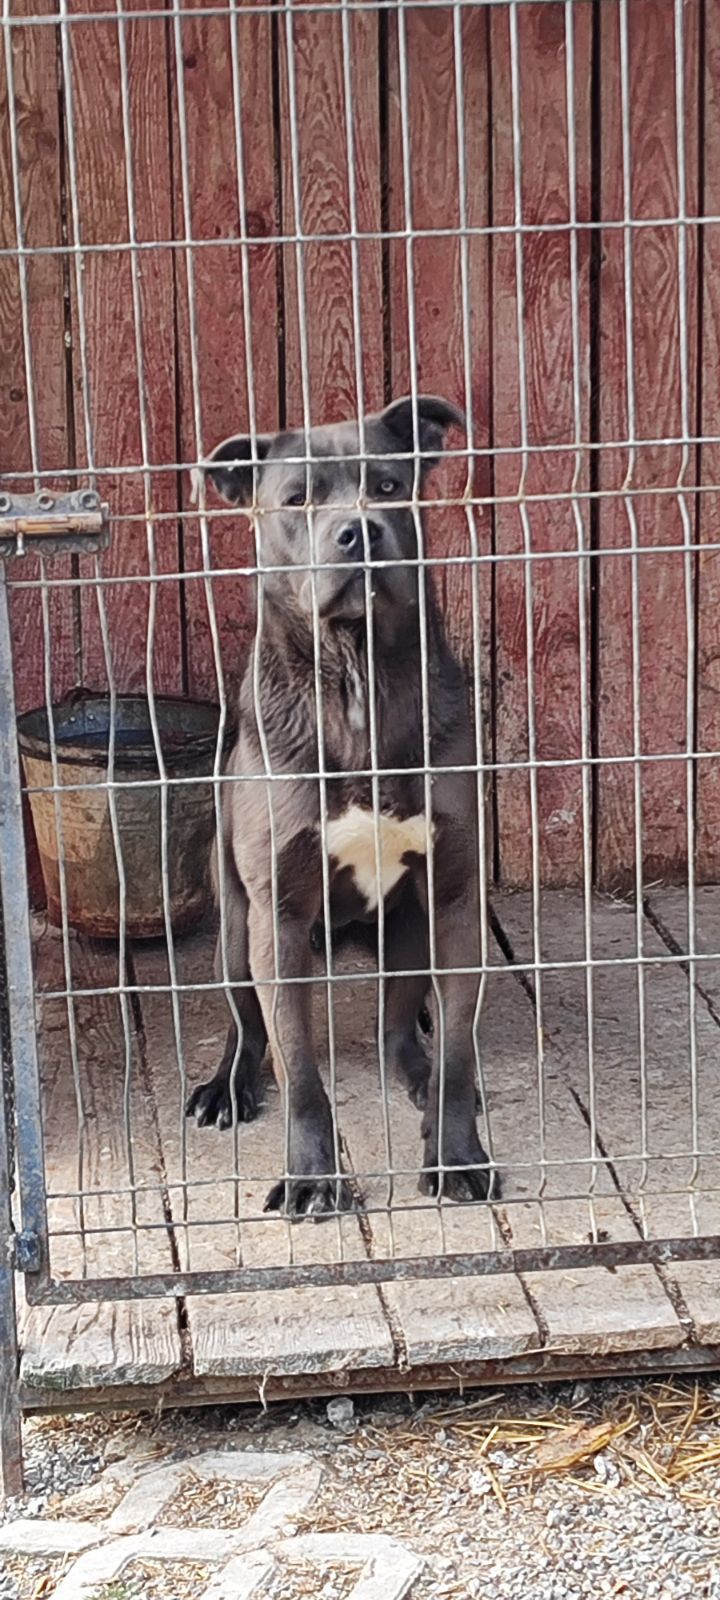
<point x="253" y="8"/>
<point x="114" y="580"/>
<point x="381" y="1173"/>
<point x="537" y="764"/>
<point x="399" y="1207"/>
<point x="671" y="958"/>
<point x="371" y="236"/>
<point x="452" y="452"/>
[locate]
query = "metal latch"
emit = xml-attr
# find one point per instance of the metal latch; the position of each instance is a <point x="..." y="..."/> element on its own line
<point x="25" y="1252"/>
<point x="52" y="524"/>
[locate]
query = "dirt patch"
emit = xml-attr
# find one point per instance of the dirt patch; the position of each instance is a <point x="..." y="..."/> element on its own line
<point x="157" y="1580"/>
<point x="31" y="1577"/>
<point x="210" y="1505"/>
<point x="300" y="1580"/>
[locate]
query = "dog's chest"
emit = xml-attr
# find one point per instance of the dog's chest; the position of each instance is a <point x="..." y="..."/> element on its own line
<point x="375" y="851"/>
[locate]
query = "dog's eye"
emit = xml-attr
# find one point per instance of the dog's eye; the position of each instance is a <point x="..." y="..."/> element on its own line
<point x="295" y="499"/>
<point x="387" y="486"/>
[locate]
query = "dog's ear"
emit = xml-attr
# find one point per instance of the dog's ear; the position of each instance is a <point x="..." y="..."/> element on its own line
<point x="230" y="466"/>
<point x="434" y="417"/>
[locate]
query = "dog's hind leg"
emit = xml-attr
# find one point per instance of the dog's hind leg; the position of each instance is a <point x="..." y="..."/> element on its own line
<point x="232" y="1095"/>
<point x="406" y="947"/>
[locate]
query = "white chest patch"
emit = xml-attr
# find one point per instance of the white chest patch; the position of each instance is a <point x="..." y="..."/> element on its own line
<point x="351" y="841"/>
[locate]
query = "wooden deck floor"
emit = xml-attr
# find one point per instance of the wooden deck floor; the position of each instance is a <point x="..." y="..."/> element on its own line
<point x="125" y="1092"/>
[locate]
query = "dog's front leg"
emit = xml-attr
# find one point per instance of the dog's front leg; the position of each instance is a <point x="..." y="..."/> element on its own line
<point x="449" y="1126"/>
<point x="312" y="1186"/>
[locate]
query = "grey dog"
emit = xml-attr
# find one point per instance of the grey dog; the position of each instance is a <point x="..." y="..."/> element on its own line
<point x="360" y="521"/>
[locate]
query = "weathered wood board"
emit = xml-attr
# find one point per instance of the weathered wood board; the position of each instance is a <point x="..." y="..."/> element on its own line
<point x="286" y="1331"/>
<point x="44" y="363"/>
<point x="89" y="1144"/>
<point x="648" y="396"/>
<point x="120" y="188"/>
<point x="540" y="371"/>
<point x="205" y="163"/>
<point x="211" y="1191"/>
<point x="229" y="302"/>
<point x="647" y="1118"/>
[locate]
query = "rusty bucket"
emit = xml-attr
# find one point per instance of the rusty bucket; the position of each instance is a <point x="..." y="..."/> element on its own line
<point x="74" y="823"/>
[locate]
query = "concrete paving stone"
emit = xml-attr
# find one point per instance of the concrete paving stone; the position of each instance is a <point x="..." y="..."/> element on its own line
<point x="245" y="1557"/>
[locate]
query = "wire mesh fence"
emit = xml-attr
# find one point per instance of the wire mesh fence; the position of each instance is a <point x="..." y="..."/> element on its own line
<point x="436" y="650"/>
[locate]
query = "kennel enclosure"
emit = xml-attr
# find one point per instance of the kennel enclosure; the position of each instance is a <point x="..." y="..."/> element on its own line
<point x="226" y="217"/>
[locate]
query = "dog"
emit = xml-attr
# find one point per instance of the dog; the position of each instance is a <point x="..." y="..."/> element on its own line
<point x="313" y="635"/>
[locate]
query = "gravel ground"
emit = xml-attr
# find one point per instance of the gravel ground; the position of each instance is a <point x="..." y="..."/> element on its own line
<point x="555" y="1493"/>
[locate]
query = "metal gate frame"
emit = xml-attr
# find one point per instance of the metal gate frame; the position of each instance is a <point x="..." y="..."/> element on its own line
<point x="25" y="1249"/>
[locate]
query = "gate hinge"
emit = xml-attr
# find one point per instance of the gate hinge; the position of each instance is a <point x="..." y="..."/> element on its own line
<point x="25" y="1253"/>
<point x="53" y="524"/>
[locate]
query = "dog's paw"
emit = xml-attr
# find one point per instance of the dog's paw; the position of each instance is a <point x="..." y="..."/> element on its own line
<point x="467" y="1174"/>
<point x="317" y="1198"/>
<point x="211" y="1104"/>
<point x="463" y="1184"/>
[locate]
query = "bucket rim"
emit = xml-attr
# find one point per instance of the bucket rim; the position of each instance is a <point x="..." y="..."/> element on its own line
<point x="35" y="743"/>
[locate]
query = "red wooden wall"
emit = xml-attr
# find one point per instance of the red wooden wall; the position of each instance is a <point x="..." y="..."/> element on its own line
<point x="196" y="95"/>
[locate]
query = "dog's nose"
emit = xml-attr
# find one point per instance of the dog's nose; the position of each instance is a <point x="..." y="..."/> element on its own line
<point x="350" y="537"/>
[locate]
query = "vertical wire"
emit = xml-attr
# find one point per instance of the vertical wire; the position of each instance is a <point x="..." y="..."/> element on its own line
<point x="528" y="576"/>
<point x="21" y="256"/>
<point x="583" y="594"/>
<point x="422" y="579"/>
<point x="197" y="420"/>
<point x="66" y="59"/>
<point x="148" y="508"/>
<point x="629" y="305"/>
<point x="210" y="600"/>
<point x="459" y="69"/>
<point x="317" y="645"/>
<point x="372" y="702"/>
<point x="689" y="585"/>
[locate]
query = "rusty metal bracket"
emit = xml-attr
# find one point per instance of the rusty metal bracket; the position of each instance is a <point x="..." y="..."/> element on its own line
<point x="53" y="524"/>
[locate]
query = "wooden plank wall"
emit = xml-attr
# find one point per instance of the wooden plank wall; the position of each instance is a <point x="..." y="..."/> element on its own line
<point x="196" y="106"/>
<point x="659" y="517"/>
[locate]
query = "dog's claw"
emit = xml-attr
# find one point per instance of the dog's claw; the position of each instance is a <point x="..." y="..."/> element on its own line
<point x="317" y="1198"/>
<point x="211" y="1104"/>
<point x="464" y="1184"/>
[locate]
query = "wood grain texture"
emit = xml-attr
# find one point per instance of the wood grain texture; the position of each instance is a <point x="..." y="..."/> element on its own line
<point x="96" y="1345"/>
<point x="468" y="1318"/>
<point x="439" y="78"/>
<point x="322" y="163"/>
<point x="215" y="207"/>
<point x="311" y="1330"/>
<point x="39" y="154"/>
<point x="662" y="656"/>
<point x="630" y="1094"/>
<point x="554" y="701"/>
<point x="114" y="406"/>
<point x="708" y="465"/>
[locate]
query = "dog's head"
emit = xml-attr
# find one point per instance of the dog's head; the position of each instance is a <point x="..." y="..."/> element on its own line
<point x="334" y="511"/>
